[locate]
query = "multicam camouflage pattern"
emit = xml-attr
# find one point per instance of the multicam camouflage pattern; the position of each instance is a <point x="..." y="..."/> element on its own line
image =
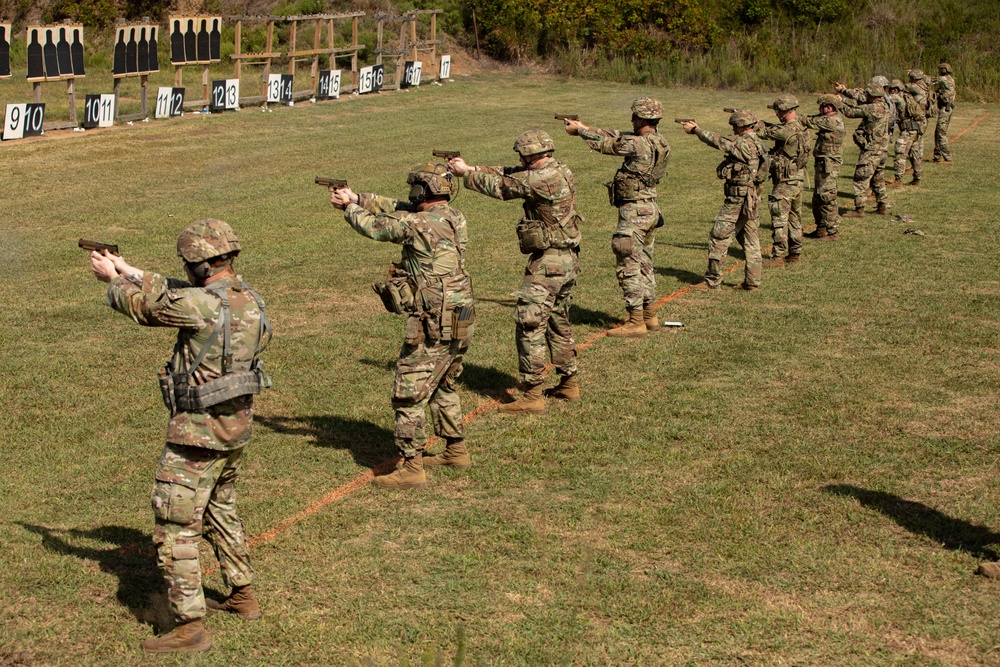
<point x="194" y="495"/>
<point x="945" y="86"/>
<point x="908" y="99"/>
<point x="739" y="216"/>
<point x="435" y="176"/>
<point x="194" y="491"/>
<point x="644" y="165"/>
<point x="430" y="360"/>
<point x="920" y="88"/>
<point x="785" y="102"/>
<point x="792" y="142"/>
<point x="207" y="238"/>
<point x="742" y="118"/>
<point x="647" y="108"/>
<point x="872" y="137"/>
<point x="534" y="142"/>
<point x="829" y="157"/>
<point x="542" y="311"/>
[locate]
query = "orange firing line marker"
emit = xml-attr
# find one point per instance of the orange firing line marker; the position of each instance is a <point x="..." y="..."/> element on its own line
<point x="363" y="479"/>
<point x="957" y="136"/>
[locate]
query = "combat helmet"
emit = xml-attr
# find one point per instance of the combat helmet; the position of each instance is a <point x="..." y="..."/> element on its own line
<point x="944" y="66"/>
<point x="534" y="142"/>
<point x="827" y="100"/>
<point x="874" y="90"/>
<point x="916" y="74"/>
<point x="742" y="118"/>
<point x="785" y="102"/>
<point x="647" y="108"/>
<point x="434" y="176"/>
<point x="897" y="84"/>
<point x="880" y="80"/>
<point x="207" y="238"/>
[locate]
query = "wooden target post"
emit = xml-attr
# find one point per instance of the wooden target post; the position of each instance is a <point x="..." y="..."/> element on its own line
<point x="400" y="50"/>
<point x="331" y="49"/>
<point x="55" y="53"/>
<point x="429" y="45"/>
<point x="135" y="55"/>
<point x="410" y="43"/>
<point x="264" y="57"/>
<point x="195" y="40"/>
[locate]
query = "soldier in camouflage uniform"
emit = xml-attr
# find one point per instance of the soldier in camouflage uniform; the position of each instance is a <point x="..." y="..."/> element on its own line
<point x="744" y="167"/>
<point x="432" y="288"/>
<point x="829" y="156"/>
<point x="208" y="388"/>
<point x="549" y="233"/>
<point x="920" y="87"/>
<point x="945" y="86"/>
<point x="789" y="157"/>
<point x="911" y="114"/>
<point x="633" y="192"/>
<point x="872" y="138"/>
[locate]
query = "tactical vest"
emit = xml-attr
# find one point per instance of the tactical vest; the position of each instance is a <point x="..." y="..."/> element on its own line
<point x="740" y="176"/>
<point x="629" y="184"/>
<point x="829" y="141"/>
<point x="240" y="378"/>
<point x="544" y="225"/>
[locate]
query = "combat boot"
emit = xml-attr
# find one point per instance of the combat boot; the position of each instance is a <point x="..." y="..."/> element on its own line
<point x="634" y="327"/>
<point x="191" y="637"/>
<point x="409" y="474"/>
<point x="531" y="401"/>
<point x="568" y="389"/>
<point x="649" y="317"/>
<point x="774" y="263"/>
<point x="915" y="181"/>
<point x="793" y="259"/>
<point x="883" y="209"/>
<point x="818" y="233"/>
<point x="895" y="183"/>
<point x="240" y="602"/>
<point x="859" y="212"/>
<point x="746" y="287"/>
<point x="456" y="455"/>
<point x="991" y="570"/>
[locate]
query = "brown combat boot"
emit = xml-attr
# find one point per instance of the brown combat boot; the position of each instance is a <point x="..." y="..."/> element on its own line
<point x="915" y="181"/>
<point x="774" y="263"/>
<point x="991" y="570"/>
<point x="649" y="317"/>
<point x="746" y="287"/>
<point x="793" y="259"/>
<point x="895" y="183"/>
<point x="409" y="474"/>
<point x="240" y="602"/>
<point x="883" y="209"/>
<point x="568" y="389"/>
<point x="634" y="327"/>
<point x="531" y="401"/>
<point x="818" y="233"/>
<point x="456" y="455"/>
<point x="859" y="212"/>
<point x="191" y="637"/>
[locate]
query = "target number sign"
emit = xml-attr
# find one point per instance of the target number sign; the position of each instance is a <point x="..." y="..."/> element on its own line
<point x="370" y="79"/>
<point x="169" y="102"/>
<point x="226" y="95"/>
<point x="279" y="88"/>
<point x="411" y="73"/>
<point x="99" y="111"/>
<point x="23" y="120"/>
<point x="329" y="85"/>
<point x="445" y="72"/>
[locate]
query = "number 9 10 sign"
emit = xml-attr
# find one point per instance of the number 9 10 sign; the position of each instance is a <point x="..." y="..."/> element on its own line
<point x="23" y="120"/>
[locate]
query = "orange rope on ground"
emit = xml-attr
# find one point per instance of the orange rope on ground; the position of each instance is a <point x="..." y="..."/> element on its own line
<point x="957" y="136"/>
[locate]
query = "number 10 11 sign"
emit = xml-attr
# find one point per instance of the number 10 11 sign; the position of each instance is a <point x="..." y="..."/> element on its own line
<point x="23" y="120"/>
<point x="99" y="112"/>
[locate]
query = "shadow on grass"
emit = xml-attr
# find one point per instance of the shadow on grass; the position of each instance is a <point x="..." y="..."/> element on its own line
<point x="682" y="275"/>
<point x="919" y="519"/>
<point x="502" y="302"/>
<point x="131" y="559"/>
<point x="483" y="380"/>
<point x="370" y="445"/>
<point x="592" y="318"/>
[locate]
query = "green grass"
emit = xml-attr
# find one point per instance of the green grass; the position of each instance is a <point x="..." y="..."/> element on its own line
<point x="802" y="475"/>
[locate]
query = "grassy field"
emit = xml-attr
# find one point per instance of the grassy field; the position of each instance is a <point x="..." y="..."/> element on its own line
<point x="806" y="475"/>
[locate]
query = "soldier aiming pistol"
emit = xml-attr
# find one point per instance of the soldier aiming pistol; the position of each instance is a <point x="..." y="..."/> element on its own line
<point x="99" y="247"/>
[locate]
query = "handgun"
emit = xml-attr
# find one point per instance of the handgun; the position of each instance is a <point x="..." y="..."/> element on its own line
<point x="729" y="109"/>
<point x="447" y="155"/>
<point x="684" y="120"/>
<point x="334" y="183"/>
<point x="567" y="116"/>
<point x="99" y="247"/>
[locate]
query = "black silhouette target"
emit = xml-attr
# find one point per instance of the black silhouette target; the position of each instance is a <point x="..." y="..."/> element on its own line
<point x="4" y="50"/>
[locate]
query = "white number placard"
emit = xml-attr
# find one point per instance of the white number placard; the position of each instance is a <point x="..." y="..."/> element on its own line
<point x="329" y="85"/>
<point x="445" y="72"/>
<point x="279" y="88"/>
<point x="99" y="111"/>
<point x="411" y="73"/>
<point x="169" y="102"/>
<point x="370" y="79"/>
<point x="232" y="94"/>
<point x="225" y="95"/>
<point x="23" y="120"/>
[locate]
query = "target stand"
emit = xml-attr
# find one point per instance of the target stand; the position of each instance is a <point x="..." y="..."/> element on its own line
<point x="135" y="56"/>
<point x="55" y="53"/>
<point x="195" y="40"/>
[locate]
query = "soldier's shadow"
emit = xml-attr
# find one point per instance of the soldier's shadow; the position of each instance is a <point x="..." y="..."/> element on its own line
<point x="953" y="534"/>
<point x="483" y="380"/>
<point x="591" y="318"/>
<point x="682" y="275"/>
<point x="131" y="559"/>
<point x="370" y="445"/>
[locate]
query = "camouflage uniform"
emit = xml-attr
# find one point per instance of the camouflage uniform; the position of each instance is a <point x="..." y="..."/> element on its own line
<point x="788" y="160"/>
<point x="920" y="88"/>
<point x="945" y="86"/>
<point x="195" y="489"/>
<point x="829" y="156"/>
<point x="433" y="268"/>
<point x="543" y="301"/>
<point x="872" y="138"/>
<point x="634" y="193"/>
<point x="743" y="156"/>
<point x="911" y="115"/>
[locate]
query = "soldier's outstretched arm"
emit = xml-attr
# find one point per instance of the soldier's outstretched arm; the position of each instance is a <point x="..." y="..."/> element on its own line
<point x="155" y="303"/>
<point x="498" y="186"/>
<point x="609" y="142"/>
